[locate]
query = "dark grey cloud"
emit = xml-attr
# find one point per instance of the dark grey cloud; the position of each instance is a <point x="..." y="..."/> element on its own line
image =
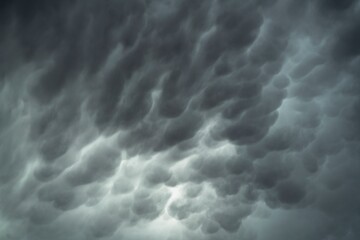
<point x="179" y="120"/>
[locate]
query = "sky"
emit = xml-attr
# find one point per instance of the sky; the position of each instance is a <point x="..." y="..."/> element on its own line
<point x="180" y="119"/>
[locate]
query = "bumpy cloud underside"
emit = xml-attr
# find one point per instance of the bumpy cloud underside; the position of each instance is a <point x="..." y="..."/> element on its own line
<point x="180" y="119"/>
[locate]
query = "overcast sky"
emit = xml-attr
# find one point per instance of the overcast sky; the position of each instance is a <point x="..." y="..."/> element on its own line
<point x="180" y="119"/>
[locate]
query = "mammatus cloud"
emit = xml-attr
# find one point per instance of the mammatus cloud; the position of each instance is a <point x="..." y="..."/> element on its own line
<point x="179" y="120"/>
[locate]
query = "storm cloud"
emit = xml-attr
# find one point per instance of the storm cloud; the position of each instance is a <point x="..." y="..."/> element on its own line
<point x="180" y="119"/>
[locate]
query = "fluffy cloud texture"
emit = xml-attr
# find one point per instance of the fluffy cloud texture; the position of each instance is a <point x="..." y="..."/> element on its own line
<point x="176" y="120"/>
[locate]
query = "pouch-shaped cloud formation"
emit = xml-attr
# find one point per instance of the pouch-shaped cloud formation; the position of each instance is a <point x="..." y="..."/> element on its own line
<point x="174" y="120"/>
